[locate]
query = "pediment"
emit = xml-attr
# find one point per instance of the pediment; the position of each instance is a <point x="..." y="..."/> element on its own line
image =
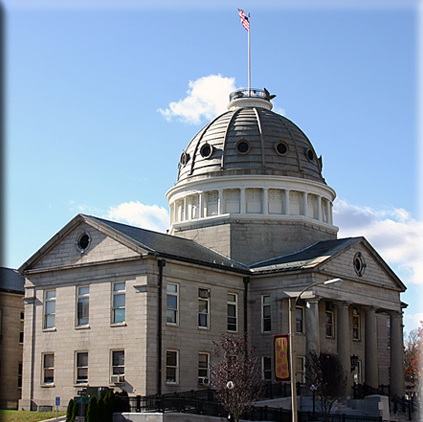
<point x="79" y="243"/>
<point x="360" y="262"/>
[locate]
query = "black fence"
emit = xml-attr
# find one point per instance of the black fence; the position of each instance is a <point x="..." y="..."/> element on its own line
<point x="409" y="407"/>
<point x="204" y="402"/>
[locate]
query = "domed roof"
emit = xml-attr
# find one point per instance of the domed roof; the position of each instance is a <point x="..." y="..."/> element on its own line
<point x="250" y="139"/>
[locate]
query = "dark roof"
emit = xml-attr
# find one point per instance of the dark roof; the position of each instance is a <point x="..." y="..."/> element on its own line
<point x="308" y="257"/>
<point x="168" y="246"/>
<point x="11" y="281"/>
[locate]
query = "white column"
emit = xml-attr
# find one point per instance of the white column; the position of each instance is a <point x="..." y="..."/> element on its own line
<point x="312" y="326"/>
<point x="397" y="355"/>
<point x="304" y="210"/>
<point x="286" y="195"/>
<point x="185" y="210"/>
<point x="242" y="205"/>
<point x="220" y="202"/>
<point x="201" y="205"/>
<point x="319" y="208"/>
<point x="265" y="205"/>
<point x="371" y="365"/>
<point x="343" y="336"/>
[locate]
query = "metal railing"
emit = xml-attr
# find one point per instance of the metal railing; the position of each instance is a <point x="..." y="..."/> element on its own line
<point x="248" y="93"/>
<point x="204" y="402"/>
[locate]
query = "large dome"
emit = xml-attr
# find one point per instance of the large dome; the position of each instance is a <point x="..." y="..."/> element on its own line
<point x="250" y="139"/>
<point x="250" y="184"/>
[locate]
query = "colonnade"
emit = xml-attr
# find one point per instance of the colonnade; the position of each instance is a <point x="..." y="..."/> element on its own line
<point x="344" y="341"/>
<point x="264" y="201"/>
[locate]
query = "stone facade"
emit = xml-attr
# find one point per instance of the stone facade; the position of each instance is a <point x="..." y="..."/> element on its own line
<point x="11" y="337"/>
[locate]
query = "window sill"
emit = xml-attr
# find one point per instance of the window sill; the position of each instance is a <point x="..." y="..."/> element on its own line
<point x="49" y="330"/>
<point x="83" y="327"/>
<point x="81" y="384"/>
<point x="48" y="385"/>
<point x="118" y="324"/>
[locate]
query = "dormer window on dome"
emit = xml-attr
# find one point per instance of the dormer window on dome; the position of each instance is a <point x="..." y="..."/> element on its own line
<point x="184" y="158"/>
<point x="206" y="150"/>
<point x="243" y="146"/>
<point x="281" y="148"/>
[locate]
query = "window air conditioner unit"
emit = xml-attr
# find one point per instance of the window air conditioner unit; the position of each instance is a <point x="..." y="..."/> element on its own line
<point x="203" y="381"/>
<point x="204" y="293"/>
<point x="116" y="379"/>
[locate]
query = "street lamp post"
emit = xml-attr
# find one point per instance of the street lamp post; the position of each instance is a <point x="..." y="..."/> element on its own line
<point x="293" y="300"/>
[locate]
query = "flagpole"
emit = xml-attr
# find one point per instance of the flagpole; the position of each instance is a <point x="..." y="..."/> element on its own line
<point x="249" y="57"/>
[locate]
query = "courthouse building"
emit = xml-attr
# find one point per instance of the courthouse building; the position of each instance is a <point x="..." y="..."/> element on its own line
<point x="107" y="304"/>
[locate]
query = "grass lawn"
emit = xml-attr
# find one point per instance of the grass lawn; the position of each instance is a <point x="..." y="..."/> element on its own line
<point x="26" y="416"/>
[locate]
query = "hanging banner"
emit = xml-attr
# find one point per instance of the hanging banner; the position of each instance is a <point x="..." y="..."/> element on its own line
<point x="281" y="357"/>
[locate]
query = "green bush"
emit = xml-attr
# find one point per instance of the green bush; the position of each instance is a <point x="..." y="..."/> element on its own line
<point x="70" y="411"/>
<point x="92" y="410"/>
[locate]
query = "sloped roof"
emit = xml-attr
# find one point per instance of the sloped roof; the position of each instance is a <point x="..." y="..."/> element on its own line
<point x="316" y="254"/>
<point x="144" y="242"/>
<point x="169" y="246"/>
<point x="11" y="281"/>
<point x="306" y="258"/>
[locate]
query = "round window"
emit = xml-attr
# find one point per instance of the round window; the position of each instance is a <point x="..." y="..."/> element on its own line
<point x="310" y="154"/>
<point x="184" y="158"/>
<point x="206" y="151"/>
<point x="359" y="264"/>
<point x="281" y="148"/>
<point x="83" y="242"/>
<point x="243" y="146"/>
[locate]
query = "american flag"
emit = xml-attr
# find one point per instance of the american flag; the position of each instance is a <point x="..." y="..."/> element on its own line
<point x="244" y="19"/>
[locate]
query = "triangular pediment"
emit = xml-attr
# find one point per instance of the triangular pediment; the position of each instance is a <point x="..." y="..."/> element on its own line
<point x="350" y="258"/>
<point x="360" y="262"/>
<point x="109" y="241"/>
<point x="69" y="247"/>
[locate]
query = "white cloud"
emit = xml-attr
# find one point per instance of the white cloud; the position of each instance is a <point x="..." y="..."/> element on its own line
<point x="151" y="217"/>
<point x="206" y="98"/>
<point x="413" y="320"/>
<point x="392" y="232"/>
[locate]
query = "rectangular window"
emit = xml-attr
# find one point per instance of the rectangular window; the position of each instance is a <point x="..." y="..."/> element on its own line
<point x="330" y="331"/>
<point x="356" y="324"/>
<point x="20" y="367"/>
<point x="82" y="367"/>
<point x="172" y="301"/>
<point x="118" y="362"/>
<point x="172" y="367"/>
<point x="118" y="305"/>
<point x="48" y="368"/>
<point x="267" y="368"/>
<point x="203" y="368"/>
<point x="357" y="373"/>
<point x="300" y="369"/>
<point x="232" y="312"/>
<point x="299" y="319"/>
<point x="83" y="305"/>
<point x="21" y="329"/>
<point x="266" y="314"/>
<point x="50" y="309"/>
<point x="203" y="307"/>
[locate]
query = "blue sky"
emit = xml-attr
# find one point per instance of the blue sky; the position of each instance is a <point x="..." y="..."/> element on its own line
<point x="102" y="99"/>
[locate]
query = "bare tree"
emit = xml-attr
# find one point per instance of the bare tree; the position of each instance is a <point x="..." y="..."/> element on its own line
<point x="326" y="373"/>
<point x="236" y="377"/>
